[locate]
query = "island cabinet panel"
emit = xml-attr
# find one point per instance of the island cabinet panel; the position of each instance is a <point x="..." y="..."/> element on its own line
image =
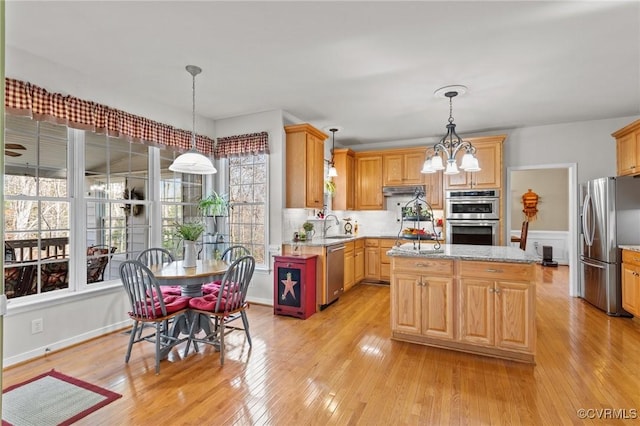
<point x="481" y="307"/>
<point x="422" y="298"/>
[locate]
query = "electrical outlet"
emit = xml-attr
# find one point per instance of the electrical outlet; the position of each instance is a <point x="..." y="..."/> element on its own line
<point x="37" y="326"/>
<point x="535" y="245"/>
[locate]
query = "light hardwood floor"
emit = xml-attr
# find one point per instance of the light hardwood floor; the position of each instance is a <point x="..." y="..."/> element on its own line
<point x="340" y="367"/>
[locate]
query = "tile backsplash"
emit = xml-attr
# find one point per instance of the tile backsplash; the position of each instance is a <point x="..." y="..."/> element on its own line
<point x="370" y="222"/>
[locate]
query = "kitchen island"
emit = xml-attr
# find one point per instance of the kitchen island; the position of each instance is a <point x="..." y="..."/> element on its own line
<point x="470" y="298"/>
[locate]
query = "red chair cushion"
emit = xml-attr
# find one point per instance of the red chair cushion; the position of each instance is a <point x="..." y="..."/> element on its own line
<point x="174" y="290"/>
<point x="204" y="303"/>
<point x="211" y="288"/>
<point x="151" y="308"/>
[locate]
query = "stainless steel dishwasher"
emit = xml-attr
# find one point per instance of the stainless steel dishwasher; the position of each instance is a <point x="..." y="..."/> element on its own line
<point x="335" y="273"/>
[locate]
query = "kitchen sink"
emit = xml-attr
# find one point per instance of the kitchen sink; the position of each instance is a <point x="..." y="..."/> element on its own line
<point x="337" y="237"/>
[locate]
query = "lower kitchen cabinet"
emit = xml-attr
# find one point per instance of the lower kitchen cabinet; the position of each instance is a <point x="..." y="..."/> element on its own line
<point x="631" y="282"/>
<point x="478" y="307"/>
<point x="349" y="265"/>
<point x="385" y="261"/>
<point x="359" y="260"/>
<point x="422" y="302"/>
<point x="372" y="259"/>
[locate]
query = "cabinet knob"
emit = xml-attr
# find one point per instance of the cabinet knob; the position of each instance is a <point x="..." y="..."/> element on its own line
<point x="492" y="290"/>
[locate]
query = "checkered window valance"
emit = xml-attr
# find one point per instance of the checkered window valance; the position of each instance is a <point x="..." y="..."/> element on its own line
<point x="252" y="143"/>
<point x="22" y="98"/>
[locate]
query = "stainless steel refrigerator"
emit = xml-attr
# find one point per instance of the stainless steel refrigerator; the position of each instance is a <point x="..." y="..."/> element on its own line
<point x="609" y="216"/>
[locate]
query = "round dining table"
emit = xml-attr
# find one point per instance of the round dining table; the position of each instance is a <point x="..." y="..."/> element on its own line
<point x="189" y="278"/>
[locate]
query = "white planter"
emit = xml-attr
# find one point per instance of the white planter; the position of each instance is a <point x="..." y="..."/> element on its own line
<point x="190" y="255"/>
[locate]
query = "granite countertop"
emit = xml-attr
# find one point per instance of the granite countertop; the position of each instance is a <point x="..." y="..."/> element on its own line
<point x="466" y="252"/>
<point x="322" y="242"/>
<point x="630" y="247"/>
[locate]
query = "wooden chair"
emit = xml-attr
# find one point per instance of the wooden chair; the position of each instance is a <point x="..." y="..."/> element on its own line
<point x="222" y="305"/>
<point x="139" y="282"/>
<point x="523" y="236"/>
<point x="54" y="275"/>
<point x="158" y="256"/>
<point x="155" y="256"/>
<point x="229" y="255"/>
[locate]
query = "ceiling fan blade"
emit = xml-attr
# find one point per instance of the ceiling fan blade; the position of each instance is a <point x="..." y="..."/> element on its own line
<point x="11" y="153"/>
<point x="14" y="146"/>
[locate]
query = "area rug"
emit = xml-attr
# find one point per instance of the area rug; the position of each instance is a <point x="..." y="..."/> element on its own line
<point x="52" y="399"/>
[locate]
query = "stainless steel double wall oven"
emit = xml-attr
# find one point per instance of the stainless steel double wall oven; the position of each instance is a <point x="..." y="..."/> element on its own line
<point x="473" y="216"/>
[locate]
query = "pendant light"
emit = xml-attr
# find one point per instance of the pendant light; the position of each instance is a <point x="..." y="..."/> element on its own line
<point x="332" y="169"/>
<point x="192" y="161"/>
<point x="451" y="143"/>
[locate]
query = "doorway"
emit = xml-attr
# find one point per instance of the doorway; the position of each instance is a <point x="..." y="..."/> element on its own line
<point x="571" y="207"/>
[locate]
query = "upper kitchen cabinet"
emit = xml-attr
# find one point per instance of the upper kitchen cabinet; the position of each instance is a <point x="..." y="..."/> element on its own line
<point x="344" y="198"/>
<point x="433" y="182"/>
<point x="305" y="160"/>
<point x="403" y="167"/>
<point x="369" y="182"/>
<point x="489" y="155"/>
<point x="628" y="149"/>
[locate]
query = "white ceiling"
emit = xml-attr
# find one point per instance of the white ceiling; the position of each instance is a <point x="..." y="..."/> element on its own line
<point x="368" y="67"/>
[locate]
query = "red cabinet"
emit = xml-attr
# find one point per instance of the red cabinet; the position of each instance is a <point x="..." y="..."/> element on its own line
<point x="294" y="287"/>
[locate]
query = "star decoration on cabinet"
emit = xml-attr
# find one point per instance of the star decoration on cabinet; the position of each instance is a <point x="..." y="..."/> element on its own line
<point x="288" y="286"/>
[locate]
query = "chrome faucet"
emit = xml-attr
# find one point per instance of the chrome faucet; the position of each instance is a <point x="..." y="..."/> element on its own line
<point x="324" y="224"/>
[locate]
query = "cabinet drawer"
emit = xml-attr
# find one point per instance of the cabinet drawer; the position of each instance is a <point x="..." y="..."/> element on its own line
<point x="349" y="246"/>
<point x="497" y="270"/>
<point x="359" y="243"/>
<point x="630" y="256"/>
<point x="371" y="243"/>
<point x="421" y="265"/>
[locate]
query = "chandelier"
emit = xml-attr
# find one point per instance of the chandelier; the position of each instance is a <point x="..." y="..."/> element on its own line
<point x="192" y="161"/>
<point x="332" y="168"/>
<point x="451" y="144"/>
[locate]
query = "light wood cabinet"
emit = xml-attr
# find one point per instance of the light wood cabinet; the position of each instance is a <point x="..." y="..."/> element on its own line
<point x="359" y="260"/>
<point x="372" y="259"/>
<point x="472" y="306"/>
<point x="422" y="298"/>
<point x="628" y="149"/>
<point x="385" y="261"/>
<point x="369" y="182"/>
<point x="345" y="197"/>
<point x="349" y="265"/>
<point x="434" y="196"/>
<point x="497" y="303"/>
<point x="489" y="155"/>
<point x="304" y="160"/>
<point x="403" y="167"/>
<point x="631" y="282"/>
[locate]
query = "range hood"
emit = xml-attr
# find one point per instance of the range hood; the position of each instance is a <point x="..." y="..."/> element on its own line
<point x="391" y="191"/>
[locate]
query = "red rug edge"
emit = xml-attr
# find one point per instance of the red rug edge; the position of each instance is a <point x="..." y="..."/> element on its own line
<point x="109" y="395"/>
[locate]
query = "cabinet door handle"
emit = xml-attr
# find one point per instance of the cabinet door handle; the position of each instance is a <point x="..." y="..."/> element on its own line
<point x="497" y="291"/>
<point x="419" y="282"/>
<point x="497" y="271"/>
<point x="636" y="259"/>
<point x="492" y="290"/>
<point x="422" y="265"/>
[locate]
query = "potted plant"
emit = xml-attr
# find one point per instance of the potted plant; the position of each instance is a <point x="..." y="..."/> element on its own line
<point x="189" y="233"/>
<point x="214" y="205"/>
<point x="308" y="229"/>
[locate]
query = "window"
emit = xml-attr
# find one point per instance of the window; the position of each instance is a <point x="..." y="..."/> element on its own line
<point x="179" y="196"/>
<point x="37" y="207"/>
<point x="117" y="206"/>
<point x="249" y="204"/>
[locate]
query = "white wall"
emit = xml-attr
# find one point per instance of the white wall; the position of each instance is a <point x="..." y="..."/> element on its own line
<point x="261" y="290"/>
